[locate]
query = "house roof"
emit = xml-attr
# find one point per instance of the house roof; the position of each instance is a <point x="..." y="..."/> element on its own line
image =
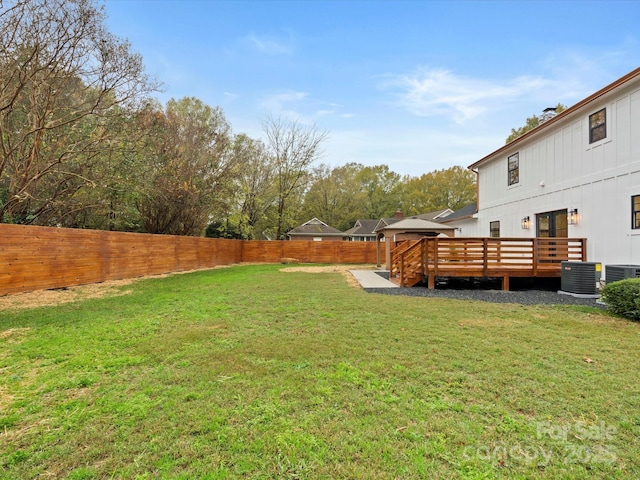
<point x="315" y="227"/>
<point x="465" y="212"/>
<point x="431" y="216"/>
<point x="564" y="114"/>
<point x="383" y="222"/>
<point x="362" y="227"/>
<point x="437" y="215"/>
<point x="415" y="224"/>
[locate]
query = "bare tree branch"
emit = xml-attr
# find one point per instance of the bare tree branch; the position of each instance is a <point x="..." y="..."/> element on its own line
<point x="294" y="147"/>
<point x="62" y="76"/>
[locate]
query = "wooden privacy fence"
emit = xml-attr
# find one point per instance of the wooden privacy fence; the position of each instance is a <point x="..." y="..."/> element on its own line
<point x="425" y="259"/>
<point x="309" y="251"/>
<point x="34" y="258"/>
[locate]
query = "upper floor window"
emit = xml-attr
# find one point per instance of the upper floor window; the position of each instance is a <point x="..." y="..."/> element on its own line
<point x="514" y="168"/>
<point x="635" y="211"/>
<point x="598" y="125"/>
<point x="494" y="229"/>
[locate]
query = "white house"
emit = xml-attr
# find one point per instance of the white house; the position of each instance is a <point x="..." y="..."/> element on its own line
<point x="575" y="175"/>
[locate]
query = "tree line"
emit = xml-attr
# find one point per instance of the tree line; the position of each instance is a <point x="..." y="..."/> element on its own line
<point x="84" y="145"/>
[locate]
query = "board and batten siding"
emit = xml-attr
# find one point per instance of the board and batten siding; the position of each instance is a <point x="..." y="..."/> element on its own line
<point x="559" y="169"/>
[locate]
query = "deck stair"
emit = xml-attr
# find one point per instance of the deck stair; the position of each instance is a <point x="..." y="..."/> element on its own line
<point x="407" y="269"/>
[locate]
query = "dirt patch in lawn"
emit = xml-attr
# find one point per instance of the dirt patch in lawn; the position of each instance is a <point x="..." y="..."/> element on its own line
<point x="343" y="269"/>
<point x="58" y="296"/>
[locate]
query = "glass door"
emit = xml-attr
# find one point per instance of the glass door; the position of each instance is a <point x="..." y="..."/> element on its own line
<point x="552" y="224"/>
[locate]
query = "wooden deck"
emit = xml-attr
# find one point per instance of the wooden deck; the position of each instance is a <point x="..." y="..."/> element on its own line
<point x="426" y="259"/>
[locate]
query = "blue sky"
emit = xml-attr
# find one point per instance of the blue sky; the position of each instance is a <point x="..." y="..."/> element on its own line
<point x="415" y="85"/>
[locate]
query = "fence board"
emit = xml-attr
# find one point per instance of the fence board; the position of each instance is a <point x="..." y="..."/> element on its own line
<point x="34" y="258"/>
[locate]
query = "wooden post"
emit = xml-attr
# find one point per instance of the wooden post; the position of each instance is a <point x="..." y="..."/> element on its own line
<point x="485" y="255"/>
<point x="423" y="256"/>
<point x="435" y="257"/>
<point x="505" y="283"/>
<point x="534" y="256"/>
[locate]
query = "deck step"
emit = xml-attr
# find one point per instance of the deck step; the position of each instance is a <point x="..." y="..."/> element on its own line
<point x="408" y="281"/>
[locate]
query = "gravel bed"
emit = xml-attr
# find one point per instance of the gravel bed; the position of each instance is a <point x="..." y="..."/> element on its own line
<point x="539" y="293"/>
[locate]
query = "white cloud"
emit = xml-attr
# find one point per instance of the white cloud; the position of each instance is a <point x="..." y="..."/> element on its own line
<point x="270" y="46"/>
<point x="407" y="150"/>
<point x="578" y="72"/>
<point x="286" y="104"/>
<point x="439" y="92"/>
<point x="301" y="107"/>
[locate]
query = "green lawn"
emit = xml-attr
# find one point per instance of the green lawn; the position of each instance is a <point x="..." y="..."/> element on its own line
<point x="250" y="372"/>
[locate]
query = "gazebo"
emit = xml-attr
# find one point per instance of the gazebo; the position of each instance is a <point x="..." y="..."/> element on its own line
<point x="410" y="228"/>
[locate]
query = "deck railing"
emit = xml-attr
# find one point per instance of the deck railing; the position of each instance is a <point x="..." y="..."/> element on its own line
<point x="482" y="257"/>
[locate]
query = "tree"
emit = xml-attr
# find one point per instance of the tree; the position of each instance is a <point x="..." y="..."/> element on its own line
<point x="379" y="186"/>
<point x="531" y="123"/>
<point x="189" y="166"/>
<point x="294" y="148"/>
<point x="335" y="196"/>
<point x="254" y="193"/>
<point x="62" y="78"/>
<point x="117" y="178"/>
<point x="452" y="188"/>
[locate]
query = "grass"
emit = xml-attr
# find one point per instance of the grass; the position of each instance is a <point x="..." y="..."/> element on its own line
<point x="249" y="372"/>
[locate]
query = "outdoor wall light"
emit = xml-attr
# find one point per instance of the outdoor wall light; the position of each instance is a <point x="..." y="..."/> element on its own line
<point x="573" y="217"/>
<point x="525" y="223"/>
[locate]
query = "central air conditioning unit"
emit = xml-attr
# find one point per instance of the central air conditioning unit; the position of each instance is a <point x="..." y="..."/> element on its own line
<point x="613" y="273"/>
<point x="580" y="278"/>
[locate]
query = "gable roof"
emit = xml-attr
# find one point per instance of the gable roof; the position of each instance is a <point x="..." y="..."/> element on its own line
<point x="565" y="113"/>
<point x="384" y="222"/>
<point x="362" y="227"/>
<point x="431" y="216"/>
<point x="437" y="215"/>
<point x="465" y="212"/>
<point x="315" y="227"/>
<point x="415" y="224"/>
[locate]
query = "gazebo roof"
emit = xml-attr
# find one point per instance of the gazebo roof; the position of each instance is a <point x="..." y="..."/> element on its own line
<point x="412" y="224"/>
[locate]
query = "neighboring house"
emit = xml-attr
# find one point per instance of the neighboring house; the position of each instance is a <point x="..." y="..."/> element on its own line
<point x="362" y="231"/>
<point x="315" y="230"/>
<point x="436" y="216"/>
<point x="462" y="218"/>
<point x="409" y="228"/>
<point x="384" y="222"/>
<point x="576" y="175"/>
